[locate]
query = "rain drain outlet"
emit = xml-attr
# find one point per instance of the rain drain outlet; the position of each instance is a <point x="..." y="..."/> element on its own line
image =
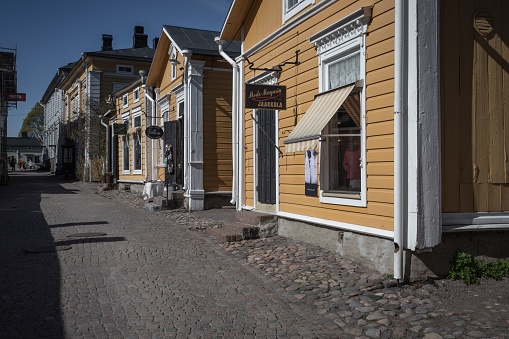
<point x="86" y="235"/>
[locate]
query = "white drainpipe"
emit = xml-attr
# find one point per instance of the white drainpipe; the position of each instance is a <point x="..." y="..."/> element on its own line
<point x="107" y="150"/>
<point x="153" y="168"/>
<point x="235" y="118"/>
<point x="399" y="61"/>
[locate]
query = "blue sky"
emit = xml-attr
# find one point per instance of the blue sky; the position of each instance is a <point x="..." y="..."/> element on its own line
<point x="51" y="34"/>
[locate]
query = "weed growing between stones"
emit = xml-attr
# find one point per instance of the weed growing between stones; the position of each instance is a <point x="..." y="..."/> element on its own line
<point x="469" y="270"/>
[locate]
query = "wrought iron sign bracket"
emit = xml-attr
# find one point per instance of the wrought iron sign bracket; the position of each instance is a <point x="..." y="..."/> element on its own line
<point x="277" y="68"/>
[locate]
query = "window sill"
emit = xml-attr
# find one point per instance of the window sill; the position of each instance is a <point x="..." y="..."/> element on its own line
<point x="343" y="195"/>
<point x="345" y="199"/>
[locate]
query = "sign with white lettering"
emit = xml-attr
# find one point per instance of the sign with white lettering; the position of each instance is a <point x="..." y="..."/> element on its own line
<point x="265" y="97"/>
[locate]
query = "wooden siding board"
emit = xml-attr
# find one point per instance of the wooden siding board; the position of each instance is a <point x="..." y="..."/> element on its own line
<point x="450" y="98"/>
<point x="493" y="47"/>
<point x="465" y="45"/>
<point x="379" y="222"/>
<point x="505" y="87"/>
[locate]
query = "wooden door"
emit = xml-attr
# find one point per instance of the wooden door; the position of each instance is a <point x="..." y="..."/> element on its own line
<point x="266" y="152"/>
<point x="474" y="105"/>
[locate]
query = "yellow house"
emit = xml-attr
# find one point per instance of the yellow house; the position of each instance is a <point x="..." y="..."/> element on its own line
<point x="191" y="94"/>
<point x="85" y="89"/>
<point x="355" y="127"/>
<point x="129" y="143"/>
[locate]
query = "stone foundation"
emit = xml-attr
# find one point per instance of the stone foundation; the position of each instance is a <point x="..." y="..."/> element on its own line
<point x="377" y="253"/>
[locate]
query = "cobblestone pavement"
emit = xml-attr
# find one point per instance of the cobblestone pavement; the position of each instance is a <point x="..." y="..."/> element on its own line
<point x="161" y="275"/>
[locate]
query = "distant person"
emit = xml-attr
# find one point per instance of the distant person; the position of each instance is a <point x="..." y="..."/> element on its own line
<point x="12" y="162"/>
<point x="21" y="164"/>
<point x="30" y="164"/>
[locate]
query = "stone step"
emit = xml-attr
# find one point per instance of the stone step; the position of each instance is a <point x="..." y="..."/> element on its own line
<point x="233" y="232"/>
<point x="266" y="223"/>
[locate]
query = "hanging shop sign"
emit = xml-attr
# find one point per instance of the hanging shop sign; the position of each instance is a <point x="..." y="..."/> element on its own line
<point x="119" y="129"/>
<point x="265" y="96"/>
<point x="154" y="132"/>
<point x="15" y="97"/>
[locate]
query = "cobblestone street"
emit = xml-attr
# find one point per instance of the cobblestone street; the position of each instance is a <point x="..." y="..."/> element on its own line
<point x="121" y="271"/>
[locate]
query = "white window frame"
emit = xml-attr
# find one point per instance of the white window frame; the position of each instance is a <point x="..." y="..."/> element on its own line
<point x="350" y="42"/>
<point x="135" y="114"/>
<point x="125" y="100"/>
<point x="173" y="55"/>
<point x="120" y="69"/>
<point x="125" y="138"/>
<point x="136" y="94"/>
<point x="290" y="12"/>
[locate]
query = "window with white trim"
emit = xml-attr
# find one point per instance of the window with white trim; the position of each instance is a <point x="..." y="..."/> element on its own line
<point x="137" y="140"/>
<point x="125" y="145"/>
<point x="125" y="69"/>
<point x="173" y="57"/>
<point x="292" y="7"/>
<point x="136" y="94"/>
<point x="125" y="100"/>
<point x="341" y="55"/>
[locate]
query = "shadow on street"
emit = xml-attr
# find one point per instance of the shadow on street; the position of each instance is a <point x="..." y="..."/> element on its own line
<point x="30" y="282"/>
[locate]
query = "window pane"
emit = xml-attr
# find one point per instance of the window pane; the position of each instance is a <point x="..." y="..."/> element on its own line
<point x="291" y="3"/>
<point x="137" y="121"/>
<point x="125" y="153"/>
<point x="344" y="71"/>
<point x="137" y="151"/>
<point x="343" y="147"/>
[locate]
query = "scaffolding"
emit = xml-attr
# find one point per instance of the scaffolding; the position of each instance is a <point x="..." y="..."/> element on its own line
<point x="8" y="85"/>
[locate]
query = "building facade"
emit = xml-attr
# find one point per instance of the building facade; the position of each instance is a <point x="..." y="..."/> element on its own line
<point x="360" y="157"/>
<point x="192" y="102"/>
<point x="53" y="104"/>
<point x="85" y="90"/>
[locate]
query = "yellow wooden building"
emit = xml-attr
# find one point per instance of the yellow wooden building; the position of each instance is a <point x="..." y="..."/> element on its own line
<point x="130" y="147"/>
<point x="390" y="143"/>
<point x="84" y="90"/>
<point x="192" y="93"/>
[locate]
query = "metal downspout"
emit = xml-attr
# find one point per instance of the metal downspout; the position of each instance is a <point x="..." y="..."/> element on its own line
<point x="398" y="137"/>
<point x="107" y="148"/>
<point x="148" y="93"/>
<point x="235" y="151"/>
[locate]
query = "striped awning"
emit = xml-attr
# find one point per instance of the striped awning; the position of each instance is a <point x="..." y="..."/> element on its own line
<point x="305" y="135"/>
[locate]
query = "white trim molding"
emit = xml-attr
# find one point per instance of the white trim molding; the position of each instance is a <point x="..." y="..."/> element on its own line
<point x="339" y="225"/>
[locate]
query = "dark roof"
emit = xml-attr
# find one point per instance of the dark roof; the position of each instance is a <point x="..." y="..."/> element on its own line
<point x="22" y="142"/>
<point x="57" y="79"/>
<point x="128" y="53"/>
<point x="200" y="41"/>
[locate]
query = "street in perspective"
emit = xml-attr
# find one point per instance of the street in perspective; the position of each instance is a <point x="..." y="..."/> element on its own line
<point x="80" y="262"/>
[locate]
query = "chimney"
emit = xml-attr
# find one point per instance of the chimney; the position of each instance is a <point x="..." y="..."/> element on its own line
<point x="24" y="135"/>
<point x="139" y="38"/>
<point x="155" y="41"/>
<point x="107" y="42"/>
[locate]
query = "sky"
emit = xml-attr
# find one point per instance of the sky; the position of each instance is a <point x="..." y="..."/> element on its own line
<point x="50" y="34"/>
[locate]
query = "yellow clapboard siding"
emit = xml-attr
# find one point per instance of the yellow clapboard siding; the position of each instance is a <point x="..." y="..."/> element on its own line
<point x="375" y="208"/>
<point x="379" y="115"/>
<point x="381" y="195"/>
<point x="380" y="128"/>
<point x="380" y="142"/>
<point x="381" y="182"/>
<point x="380" y="75"/>
<point x="380" y="168"/>
<point x="380" y="88"/>
<point x="379" y="222"/>
<point x="381" y="101"/>
<point x="380" y="155"/>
